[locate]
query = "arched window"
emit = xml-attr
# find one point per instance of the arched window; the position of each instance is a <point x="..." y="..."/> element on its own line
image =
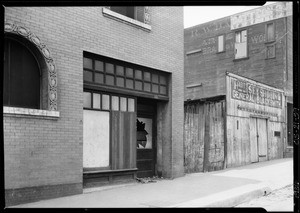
<point x="22" y="76"/>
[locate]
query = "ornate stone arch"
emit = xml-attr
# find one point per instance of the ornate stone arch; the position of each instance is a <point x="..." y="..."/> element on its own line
<point x="13" y="28"/>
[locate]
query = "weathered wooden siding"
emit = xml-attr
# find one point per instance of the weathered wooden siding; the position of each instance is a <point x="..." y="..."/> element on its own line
<point x="241" y="117"/>
<point x="204" y="136"/>
<point x="238" y="141"/>
<point x="123" y="137"/>
<point x="275" y="143"/>
<point x="193" y="138"/>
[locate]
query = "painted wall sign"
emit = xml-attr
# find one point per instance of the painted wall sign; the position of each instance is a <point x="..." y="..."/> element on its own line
<point x="261" y="112"/>
<point x="210" y="28"/>
<point x="249" y="92"/>
<point x="262" y="14"/>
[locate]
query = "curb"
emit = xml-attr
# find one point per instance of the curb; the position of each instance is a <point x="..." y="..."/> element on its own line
<point x="228" y="198"/>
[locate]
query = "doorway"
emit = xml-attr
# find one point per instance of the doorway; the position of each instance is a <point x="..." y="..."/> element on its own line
<point x="146" y="138"/>
<point x="258" y="139"/>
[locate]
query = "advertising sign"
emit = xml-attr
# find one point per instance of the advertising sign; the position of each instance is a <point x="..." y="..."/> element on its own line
<point x="249" y="92"/>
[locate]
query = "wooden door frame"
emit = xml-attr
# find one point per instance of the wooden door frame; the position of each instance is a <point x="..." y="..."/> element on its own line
<point x="152" y="115"/>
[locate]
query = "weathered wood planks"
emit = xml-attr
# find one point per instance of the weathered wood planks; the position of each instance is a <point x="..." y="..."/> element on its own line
<point x="204" y="136"/>
<point x="123" y="138"/>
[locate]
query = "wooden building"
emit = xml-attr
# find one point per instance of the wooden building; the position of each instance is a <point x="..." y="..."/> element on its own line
<point x="244" y="126"/>
<point x="256" y="45"/>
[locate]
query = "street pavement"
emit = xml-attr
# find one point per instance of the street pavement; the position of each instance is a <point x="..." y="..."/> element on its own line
<point x="278" y="200"/>
<point x="225" y="188"/>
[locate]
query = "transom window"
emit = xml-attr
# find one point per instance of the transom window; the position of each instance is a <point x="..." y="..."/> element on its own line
<point x="108" y="102"/>
<point x="111" y="72"/>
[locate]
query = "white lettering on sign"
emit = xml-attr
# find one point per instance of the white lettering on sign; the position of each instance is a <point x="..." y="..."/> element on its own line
<point x="262" y="14"/>
<point x="246" y="91"/>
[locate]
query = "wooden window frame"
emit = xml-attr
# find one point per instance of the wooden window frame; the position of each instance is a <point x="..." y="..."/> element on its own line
<point x="246" y="44"/>
<point x="266" y="32"/>
<point x="218" y="51"/>
<point x="267" y="52"/>
<point x="126" y="65"/>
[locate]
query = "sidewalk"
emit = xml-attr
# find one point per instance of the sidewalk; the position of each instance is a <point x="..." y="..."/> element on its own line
<point x="225" y="188"/>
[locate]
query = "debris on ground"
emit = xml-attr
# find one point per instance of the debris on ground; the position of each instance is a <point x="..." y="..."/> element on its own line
<point x="149" y="179"/>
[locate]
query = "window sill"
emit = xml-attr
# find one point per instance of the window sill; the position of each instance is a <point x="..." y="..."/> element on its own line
<point x="31" y="113"/>
<point x="221" y="52"/>
<point x="270" y="58"/>
<point x="269" y="42"/>
<point x="240" y="59"/>
<point x="116" y="16"/>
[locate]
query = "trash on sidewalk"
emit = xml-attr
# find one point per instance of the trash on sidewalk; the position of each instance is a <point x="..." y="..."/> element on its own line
<point x="149" y="179"/>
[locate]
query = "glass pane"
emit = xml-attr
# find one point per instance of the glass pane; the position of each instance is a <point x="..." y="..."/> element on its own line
<point x="120" y="82"/>
<point x="138" y="85"/>
<point x="87" y="63"/>
<point x="129" y="83"/>
<point x="238" y="37"/>
<point x="155" y="88"/>
<point x="244" y="36"/>
<point x="163" y="90"/>
<point x="129" y="72"/>
<point x="120" y="70"/>
<point x="144" y="133"/>
<point x="123" y="104"/>
<point x="105" y="102"/>
<point x="115" y="103"/>
<point x="138" y="74"/>
<point x="131" y="105"/>
<point x="147" y="87"/>
<point x="110" y="80"/>
<point x="87" y="99"/>
<point x="109" y="68"/>
<point x="99" y="78"/>
<point x="147" y="76"/>
<point x="154" y="78"/>
<point x="163" y="79"/>
<point x="87" y="76"/>
<point x="96" y="101"/>
<point x="99" y="65"/>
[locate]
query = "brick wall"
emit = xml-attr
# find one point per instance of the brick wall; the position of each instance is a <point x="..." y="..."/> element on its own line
<point x="208" y="67"/>
<point x="41" y="152"/>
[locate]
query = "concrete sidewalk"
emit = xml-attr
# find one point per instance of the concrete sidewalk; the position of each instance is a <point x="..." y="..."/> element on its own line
<point x="225" y="188"/>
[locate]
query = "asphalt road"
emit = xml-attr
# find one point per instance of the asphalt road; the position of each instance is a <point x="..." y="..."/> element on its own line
<point x="278" y="200"/>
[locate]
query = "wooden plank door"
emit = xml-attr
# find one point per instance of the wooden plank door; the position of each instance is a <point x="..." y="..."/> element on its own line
<point x="253" y="140"/>
<point x="123" y="137"/>
<point x="262" y="139"/>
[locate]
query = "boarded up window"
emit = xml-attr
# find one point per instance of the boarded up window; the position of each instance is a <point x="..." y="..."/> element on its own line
<point x="270" y="51"/>
<point x="270" y="32"/>
<point x="95" y="139"/>
<point x="221" y="43"/>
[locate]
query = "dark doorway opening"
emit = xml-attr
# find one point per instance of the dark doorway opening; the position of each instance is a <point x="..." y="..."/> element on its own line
<point x="146" y="137"/>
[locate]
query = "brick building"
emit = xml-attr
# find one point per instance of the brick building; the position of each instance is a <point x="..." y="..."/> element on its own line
<point x="98" y="99"/>
<point x="255" y="46"/>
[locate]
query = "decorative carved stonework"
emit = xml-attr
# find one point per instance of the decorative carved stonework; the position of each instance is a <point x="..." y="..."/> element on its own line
<point x="147" y="15"/>
<point x="52" y="74"/>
